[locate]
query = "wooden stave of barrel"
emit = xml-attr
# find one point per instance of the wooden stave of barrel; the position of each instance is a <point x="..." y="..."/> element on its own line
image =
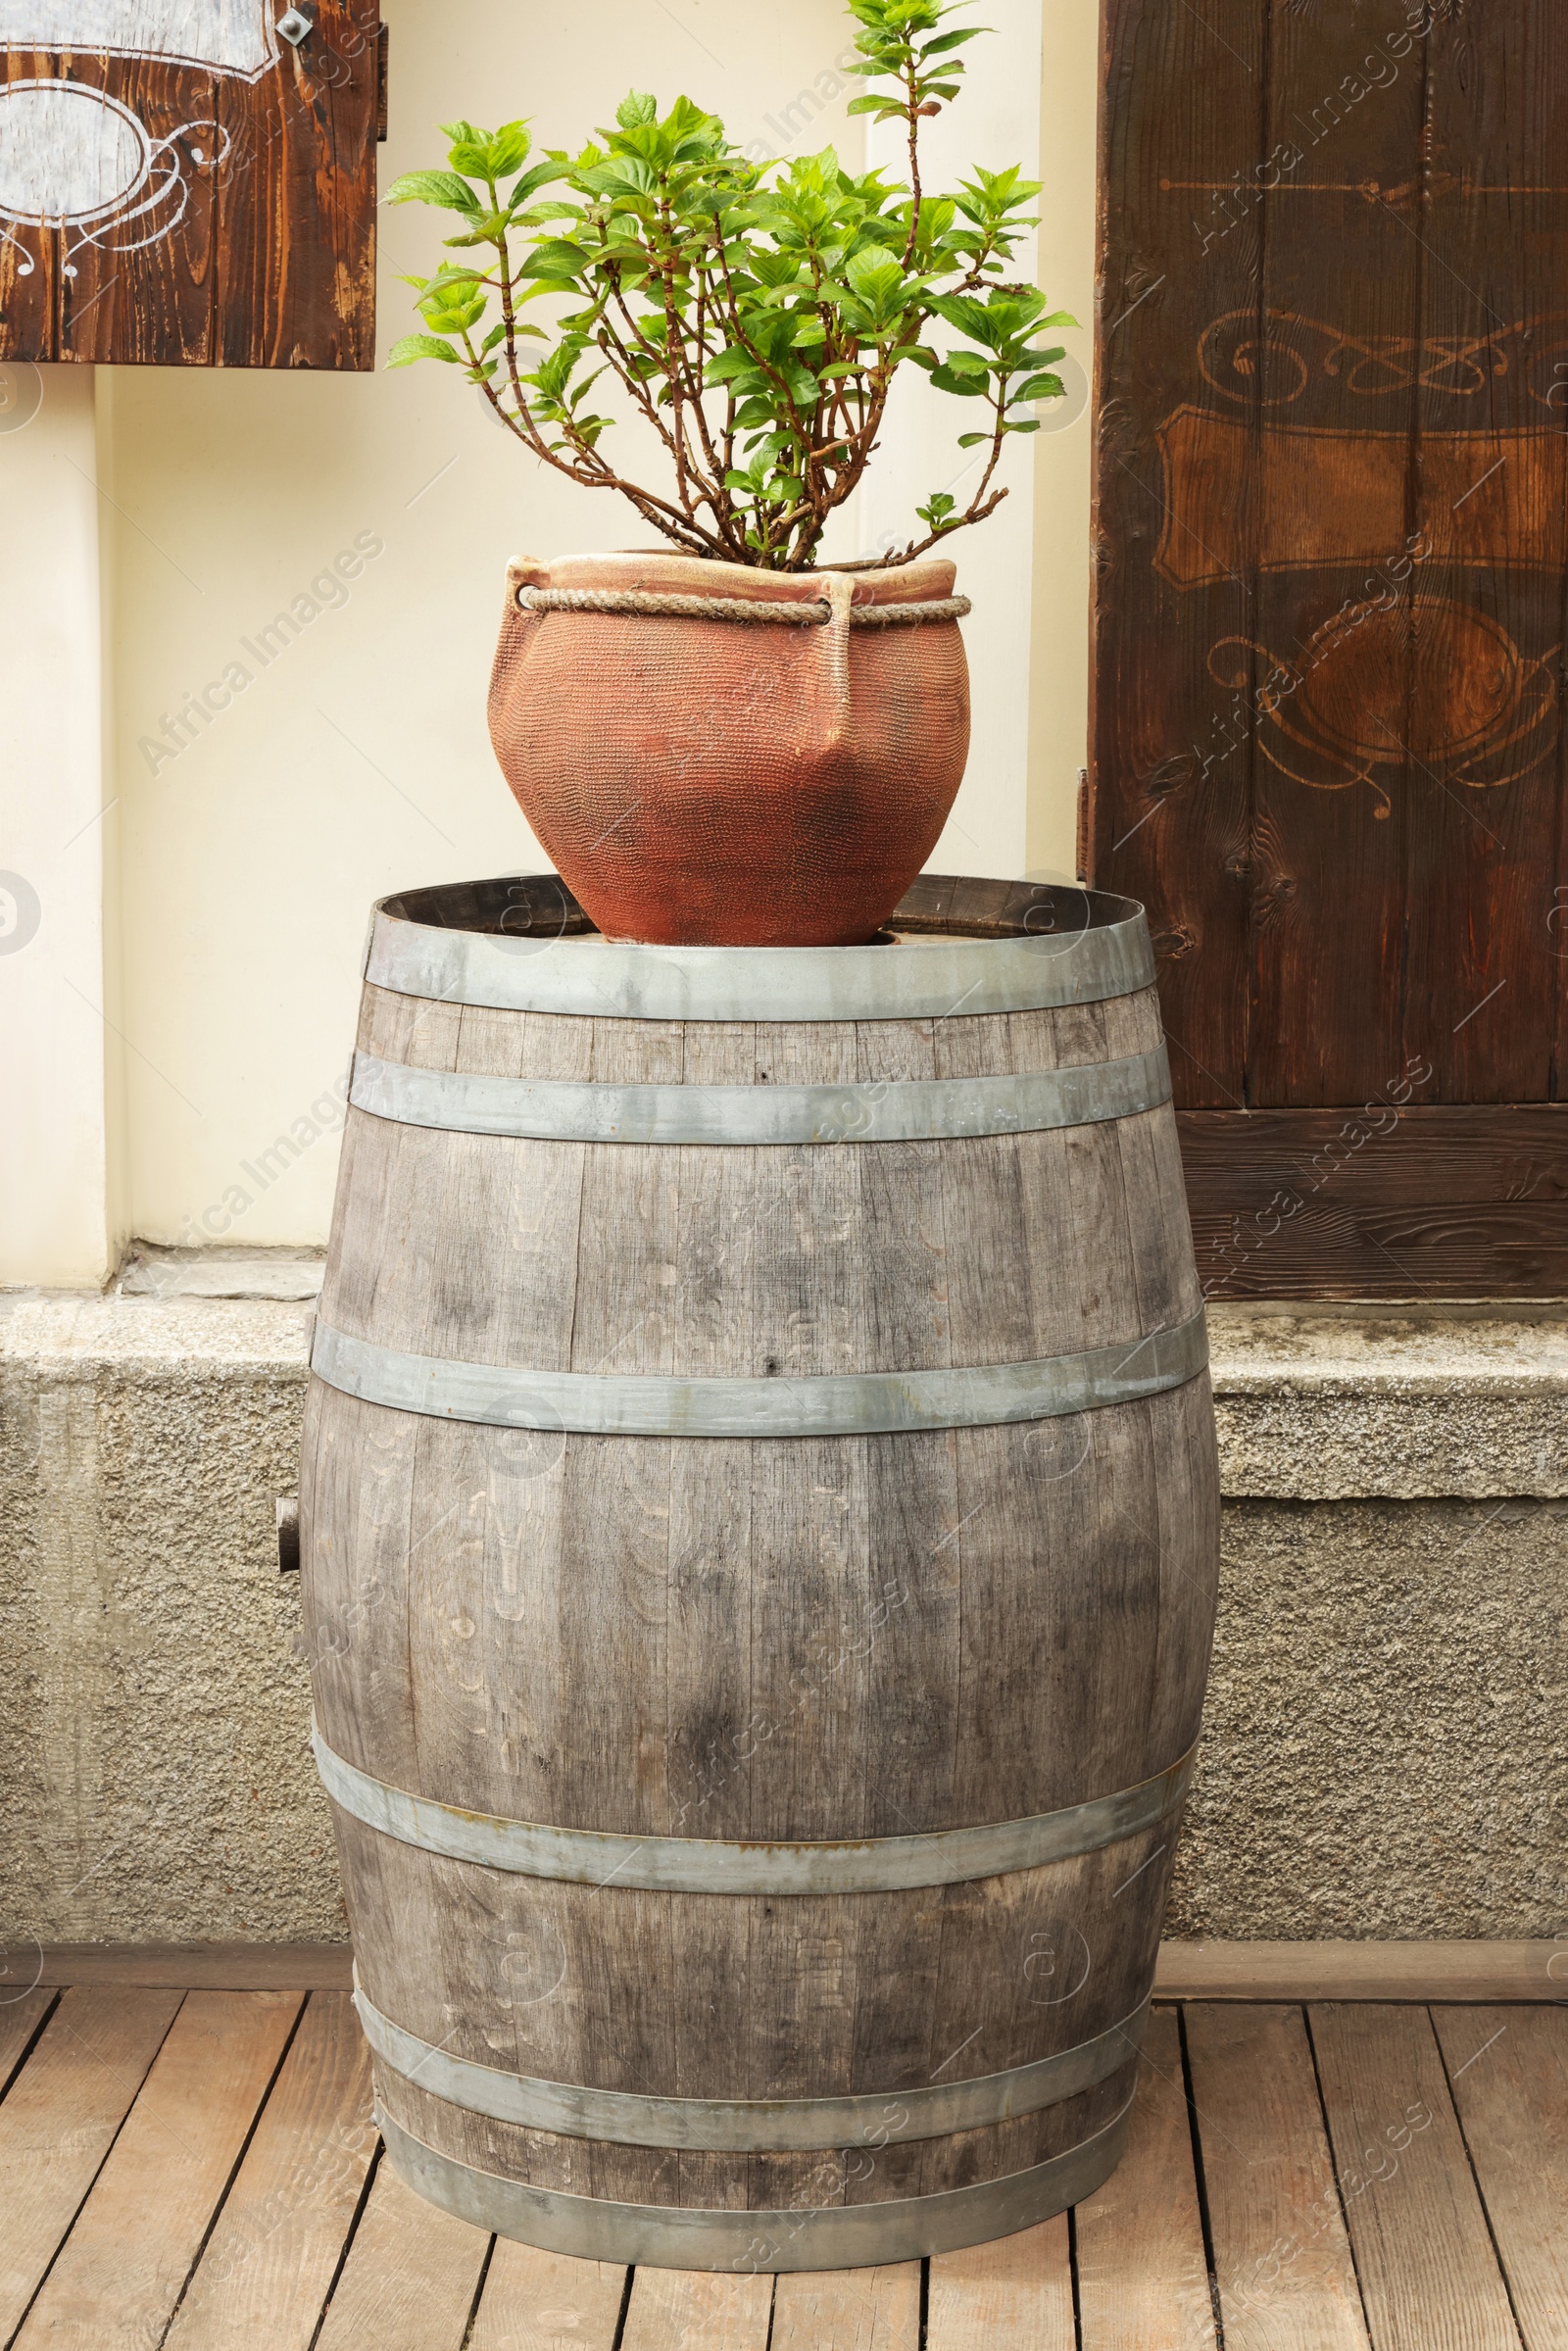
<point x="872" y="1675"/>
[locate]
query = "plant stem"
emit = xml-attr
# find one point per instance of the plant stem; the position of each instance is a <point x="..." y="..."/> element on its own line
<point x="913" y="111"/>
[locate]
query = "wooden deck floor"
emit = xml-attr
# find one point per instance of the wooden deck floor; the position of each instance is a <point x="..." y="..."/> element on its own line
<point x="199" y="2171"/>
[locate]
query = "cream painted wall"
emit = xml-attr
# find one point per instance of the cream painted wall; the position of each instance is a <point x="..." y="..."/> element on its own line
<point x="997" y="119"/>
<point x="60" y="1044"/>
<point x="356" y="758"/>
<point x="1058" y="684"/>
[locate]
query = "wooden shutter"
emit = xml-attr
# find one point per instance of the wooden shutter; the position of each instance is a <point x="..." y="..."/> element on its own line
<point x="1332" y="574"/>
<point x="180" y="184"/>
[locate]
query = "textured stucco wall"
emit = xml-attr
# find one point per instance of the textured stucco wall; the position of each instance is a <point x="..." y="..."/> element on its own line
<point x="1385" y="1755"/>
<point x="155" y="1779"/>
<point x="1386" y="1740"/>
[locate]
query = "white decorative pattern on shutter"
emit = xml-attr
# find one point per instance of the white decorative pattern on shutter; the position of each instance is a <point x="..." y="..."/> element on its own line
<point x="229" y="36"/>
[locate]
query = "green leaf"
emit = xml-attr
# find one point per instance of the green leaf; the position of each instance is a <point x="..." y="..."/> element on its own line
<point x="972" y="440"/>
<point x="420" y="347"/>
<point x="540" y="176"/>
<point x="686" y="119"/>
<point x="451" y="277"/>
<point x="556" y="257"/>
<point x="488" y="154"/>
<point x="444" y="189"/>
<point x="969" y="316"/>
<point x="619" y="172"/>
<point x="937" y="512"/>
<point x="636" y="107"/>
<point x="453" y="300"/>
<point x="580" y="392"/>
<point x="509" y="148"/>
<point x="728" y="365"/>
<point x="965" y="386"/>
<point x="776" y="269"/>
<point x="874" y="274"/>
<point x="447" y="322"/>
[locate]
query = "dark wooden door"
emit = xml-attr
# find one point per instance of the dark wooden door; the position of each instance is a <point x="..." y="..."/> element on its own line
<point x="1332" y="570"/>
<point x="181" y="184"/>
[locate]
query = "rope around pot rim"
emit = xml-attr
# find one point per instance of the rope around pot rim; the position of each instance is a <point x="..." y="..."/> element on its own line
<point x="812" y="614"/>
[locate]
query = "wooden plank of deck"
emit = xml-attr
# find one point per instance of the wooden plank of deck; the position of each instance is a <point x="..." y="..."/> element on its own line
<point x="20" y="2018"/>
<point x="188" y="1966"/>
<point x="1282" y="2256"/>
<point x="676" y="2310"/>
<point x="265" y="2271"/>
<point x="1187" y="1970"/>
<point x="848" y="2310"/>
<point x="1360" y="1971"/>
<point x="1142" y="2274"/>
<point x="1429" y="2278"/>
<point x="279" y="2218"/>
<point x="1015" y="2295"/>
<point x="410" y="2276"/>
<point x="1508" y="2073"/>
<point x="534" y="2301"/>
<point x="59" y="2122"/>
<point x="122" y="2268"/>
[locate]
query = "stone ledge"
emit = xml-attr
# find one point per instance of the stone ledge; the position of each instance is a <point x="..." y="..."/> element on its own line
<point x="1323" y="1405"/>
<point x="1312" y="1405"/>
<point x="61" y="1337"/>
<point x="150" y="1271"/>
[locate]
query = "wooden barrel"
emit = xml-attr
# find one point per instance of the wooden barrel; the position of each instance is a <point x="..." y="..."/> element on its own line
<point x="761" y="1517"/>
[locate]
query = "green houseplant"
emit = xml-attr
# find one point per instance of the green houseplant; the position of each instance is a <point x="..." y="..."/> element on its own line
<point x="755" y="316"/>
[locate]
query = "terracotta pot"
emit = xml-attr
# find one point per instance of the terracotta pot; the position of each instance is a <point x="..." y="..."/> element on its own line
<point x="711" y="782"/>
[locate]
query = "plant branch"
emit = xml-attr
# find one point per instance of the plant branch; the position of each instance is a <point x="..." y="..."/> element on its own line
<point x="913" y="111"/>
